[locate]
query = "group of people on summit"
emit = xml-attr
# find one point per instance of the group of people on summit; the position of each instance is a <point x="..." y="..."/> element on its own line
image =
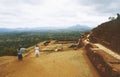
<point x="19" y="52"/>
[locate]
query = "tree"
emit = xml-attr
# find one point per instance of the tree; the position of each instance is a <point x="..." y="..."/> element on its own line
<point x="111" y="18"/>
<point x="118" y="16"/>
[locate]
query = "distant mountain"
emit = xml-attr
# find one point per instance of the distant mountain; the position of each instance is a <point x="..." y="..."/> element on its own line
<point x="27" y="29"/>
<point x="79" y="27"/>
<point x="72" y="28"/>
<point x="5" y="30"/>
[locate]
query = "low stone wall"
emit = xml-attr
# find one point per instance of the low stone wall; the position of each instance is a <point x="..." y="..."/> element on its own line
<point x="106" y="65"/>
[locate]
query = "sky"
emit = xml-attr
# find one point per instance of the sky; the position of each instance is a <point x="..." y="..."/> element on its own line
<point x="56" y="13"/>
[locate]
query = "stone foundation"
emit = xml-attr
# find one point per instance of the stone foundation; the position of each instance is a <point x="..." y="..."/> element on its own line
<point x="105" y="64"/>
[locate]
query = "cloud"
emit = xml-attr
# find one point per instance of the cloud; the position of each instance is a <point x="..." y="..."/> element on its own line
<point x="102" y="6"/>
<point x="15" y="2"/>
<point x="36" y="13"/>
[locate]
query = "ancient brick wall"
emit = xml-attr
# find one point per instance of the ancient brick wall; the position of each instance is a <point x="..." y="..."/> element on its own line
<point x="101" y="64"/>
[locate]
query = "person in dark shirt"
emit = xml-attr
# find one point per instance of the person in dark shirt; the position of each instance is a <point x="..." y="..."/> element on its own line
<point x="19" y="54"/>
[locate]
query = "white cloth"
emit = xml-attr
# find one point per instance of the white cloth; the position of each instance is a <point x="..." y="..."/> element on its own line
<point x="37" y="52"/>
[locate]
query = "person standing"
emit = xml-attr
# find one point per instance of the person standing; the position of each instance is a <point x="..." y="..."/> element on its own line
<point x="19" y="54"/>
<point x="37" y="51"/>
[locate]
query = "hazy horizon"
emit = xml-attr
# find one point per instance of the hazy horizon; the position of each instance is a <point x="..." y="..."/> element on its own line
<point x="48" y="27"/>
<point x="52" y="13"/>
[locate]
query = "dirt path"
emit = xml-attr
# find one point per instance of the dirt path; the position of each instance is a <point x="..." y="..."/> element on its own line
<point x="115" y="55"/>
<point x="58" y="64"/>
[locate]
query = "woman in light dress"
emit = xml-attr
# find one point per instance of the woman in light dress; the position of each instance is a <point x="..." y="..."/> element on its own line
<point x="37" y="50"/>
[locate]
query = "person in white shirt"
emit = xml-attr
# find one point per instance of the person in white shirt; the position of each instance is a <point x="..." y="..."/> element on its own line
<point x="37" y="51"/>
